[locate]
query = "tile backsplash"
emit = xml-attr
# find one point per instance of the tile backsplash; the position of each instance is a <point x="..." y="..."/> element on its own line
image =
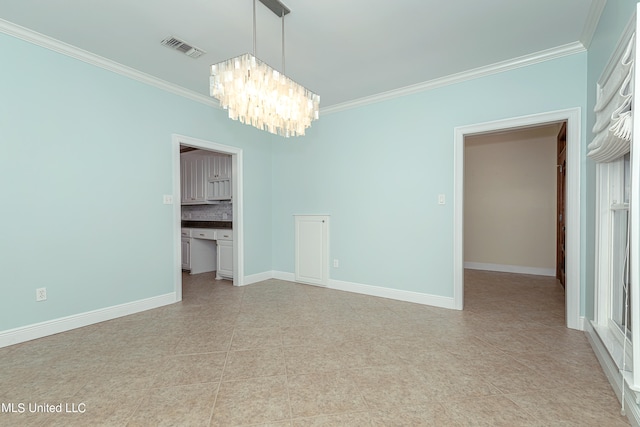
<point x="217" y="212"/>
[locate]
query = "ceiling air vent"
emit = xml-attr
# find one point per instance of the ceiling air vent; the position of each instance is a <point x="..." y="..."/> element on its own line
<point x="182" y="46"/>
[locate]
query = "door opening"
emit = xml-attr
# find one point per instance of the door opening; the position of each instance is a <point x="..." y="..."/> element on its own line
<point x="572" y="204"/>
<point x="179" y="141"/>
<point x="561" y="184"/>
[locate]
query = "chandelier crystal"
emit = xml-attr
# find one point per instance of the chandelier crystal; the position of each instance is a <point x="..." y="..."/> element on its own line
<point x="261" y="96"/>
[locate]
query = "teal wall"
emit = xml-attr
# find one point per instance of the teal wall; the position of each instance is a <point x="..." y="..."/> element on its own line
<point x="377" y="170"/>
<point x="86" y="156"/>
<point x="613" y="21"/>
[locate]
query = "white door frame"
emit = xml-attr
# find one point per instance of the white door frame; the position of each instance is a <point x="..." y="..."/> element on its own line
<point x="238" y="216"/>
<point x="572" y="286"/>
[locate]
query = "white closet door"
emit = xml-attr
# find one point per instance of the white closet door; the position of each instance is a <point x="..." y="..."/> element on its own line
<point x="312" y="249"/>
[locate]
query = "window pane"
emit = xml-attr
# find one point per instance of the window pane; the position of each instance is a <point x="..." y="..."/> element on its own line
<point x="620" y="271"/>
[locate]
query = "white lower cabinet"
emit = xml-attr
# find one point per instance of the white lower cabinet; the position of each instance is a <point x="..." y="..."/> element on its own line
<point x="225" y="254"/>
<point x="186" y="253"/>
<point x="205" y="250"/>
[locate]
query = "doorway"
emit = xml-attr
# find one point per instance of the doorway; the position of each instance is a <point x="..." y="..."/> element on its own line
<point x="572" y="118"/>
<point x="561" y="184"/>
<point x="237" y="212"/>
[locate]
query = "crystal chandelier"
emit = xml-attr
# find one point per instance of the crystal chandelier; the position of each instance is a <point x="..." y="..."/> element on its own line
<point x="259" y="95"/>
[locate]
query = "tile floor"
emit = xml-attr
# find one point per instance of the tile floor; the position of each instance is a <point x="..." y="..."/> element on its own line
<point x="283" y="354"/>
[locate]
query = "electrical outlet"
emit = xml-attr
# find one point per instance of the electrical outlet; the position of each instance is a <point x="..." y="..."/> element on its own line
<point x="336" y="263"/>
<point x="167" y="199"/>
<point x="41" y="294"/>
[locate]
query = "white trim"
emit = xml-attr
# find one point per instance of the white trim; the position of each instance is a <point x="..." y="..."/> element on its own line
<point x="589" y="29"/>
<point x="71" y="51"/>
<point x="258" y="277"/>
<point x="613" y="374"/>
<point x="63" y="324"/>
<point x="504" y="268"/>
<point x="634" y="224"/>
<point x="282" y="275"/>
<point x="238" y="209"/>
<point x="371" y="290"/>
<point x="47" y="42"/>
<point x="572" y="116"/>
<point x="499" y="67"/>
<point x="395" y="294"/>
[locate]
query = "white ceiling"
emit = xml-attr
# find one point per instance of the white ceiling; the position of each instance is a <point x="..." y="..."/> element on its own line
<point x="344" y="50"/>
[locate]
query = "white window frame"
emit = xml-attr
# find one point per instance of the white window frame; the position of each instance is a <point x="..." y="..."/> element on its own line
<point x="609" y="193"/>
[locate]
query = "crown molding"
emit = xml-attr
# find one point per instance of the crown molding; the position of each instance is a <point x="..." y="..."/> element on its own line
<point x="499" y="67"/>
<point x="595" y="11"/>
<point x="47" y="42"/>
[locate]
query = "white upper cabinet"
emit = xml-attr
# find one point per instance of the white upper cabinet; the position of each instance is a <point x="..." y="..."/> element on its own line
<point x="219" y="177"/>
<point x="192" y="178"/>
<point x="219" y="166"/>
<point x="204" y="177"/>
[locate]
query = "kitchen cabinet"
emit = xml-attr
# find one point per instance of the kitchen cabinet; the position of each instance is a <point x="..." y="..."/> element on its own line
<point x="225" y="254"/>
<point x="219" y="166"/>
<point x="186" y="249"/>
<point x="202" y="250"/>
<point x="193" y="176"/>
<point x="204" y="177"/>
<point x="186" y="255"/>
<point x="219" y="189"/>
<point x="218" y="177"/>
<point x="205" y="250"/>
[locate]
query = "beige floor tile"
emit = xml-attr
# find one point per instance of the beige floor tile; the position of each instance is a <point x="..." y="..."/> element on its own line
<point x="393" y="386"/>
<point x="358" y="419"/>
<point x="262" y="362"/>
<point x="252" y="401"/>
<point x="324" y="394"/>
<point x="494" y="411"/>
<point x="191" y="369"/>
<point x="188" y="405"/>
<point x="562" y="406"/>
<point x="207" y="341"/>
<point x="312" y="359"/>
<point x="245" y="338"/>
<point x="425" y="415"/>
<point x="109" y="408"/>
<point x="22" y="417"/>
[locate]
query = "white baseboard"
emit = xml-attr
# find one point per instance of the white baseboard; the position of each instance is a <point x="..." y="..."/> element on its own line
<point x="55" y="326"/>
<point x="510" y="268"/>
<point x="281" y="275"/>
<point x="396" y="294"/>
<point x="259" y="277"/>
<point x="613" y="374"/>
<point x="377" y="291"/>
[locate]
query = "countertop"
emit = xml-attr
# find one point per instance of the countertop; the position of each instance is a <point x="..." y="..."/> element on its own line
<point x="207" y="224"/>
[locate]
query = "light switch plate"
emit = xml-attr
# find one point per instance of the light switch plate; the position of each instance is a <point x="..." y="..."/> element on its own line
<point x="167" y="199"/>
<point x="441" y="199"/>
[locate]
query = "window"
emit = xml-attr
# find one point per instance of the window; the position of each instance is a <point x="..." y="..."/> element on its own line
<point x="620" y="309"/>
<point x="610" y="148"/>
<point x="612" y="320"/>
